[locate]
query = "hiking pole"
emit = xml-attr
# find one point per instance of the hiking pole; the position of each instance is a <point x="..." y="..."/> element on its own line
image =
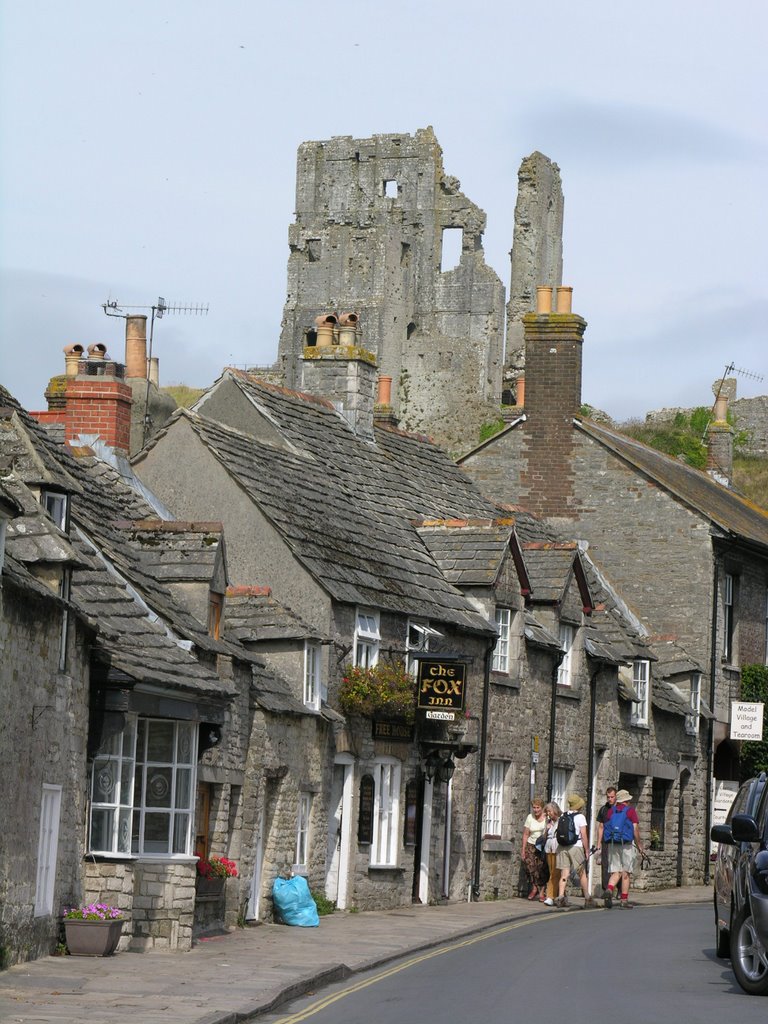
<point x="574" y="873"/>
<point x="645" y="860"/>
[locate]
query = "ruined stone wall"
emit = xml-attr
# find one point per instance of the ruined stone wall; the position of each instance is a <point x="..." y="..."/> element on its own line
<point x="537" y="245"/>
<point x="368" y="237"/>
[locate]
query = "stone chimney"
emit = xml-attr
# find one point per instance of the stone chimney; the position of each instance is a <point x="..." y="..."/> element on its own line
<point x="344" y="374"/>
<point x="136" y="346"/>
<point x="720" y="438"/>
<point x="553" y="349"/>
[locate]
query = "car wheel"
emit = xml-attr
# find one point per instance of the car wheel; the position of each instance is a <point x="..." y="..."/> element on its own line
<point x="722" y="937"/>
<point x="749" y="957"/>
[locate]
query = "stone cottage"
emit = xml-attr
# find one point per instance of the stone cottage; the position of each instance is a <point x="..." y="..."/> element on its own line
<point x="687" y="555"/>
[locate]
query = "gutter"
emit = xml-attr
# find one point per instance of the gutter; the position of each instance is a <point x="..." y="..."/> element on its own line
<point x="480" y="804"/>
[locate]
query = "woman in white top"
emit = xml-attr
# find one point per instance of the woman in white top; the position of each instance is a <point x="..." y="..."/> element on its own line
<point x="535" y="865"/>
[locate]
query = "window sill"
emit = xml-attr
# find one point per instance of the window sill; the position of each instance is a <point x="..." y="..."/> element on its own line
<point x="571" y="692"/>
<point x="641" y="725"/>
<point x="387" y="867"/>
<point x="498" y="846"/>
<point x="504" y="679"/>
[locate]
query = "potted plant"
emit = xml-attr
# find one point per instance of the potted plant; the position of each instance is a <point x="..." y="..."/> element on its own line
<point x="212" y="874"/>
<point x="93" y="930"/>
<point x="385" y="689"/>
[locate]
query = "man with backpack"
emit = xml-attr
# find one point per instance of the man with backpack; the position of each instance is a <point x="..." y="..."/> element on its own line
<point x="573" y="850"/>
<point x="621" y="836"/>
<point x="610" y="800"/>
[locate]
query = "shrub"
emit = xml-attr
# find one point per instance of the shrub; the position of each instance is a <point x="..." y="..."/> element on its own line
<point x="385" y="689"/>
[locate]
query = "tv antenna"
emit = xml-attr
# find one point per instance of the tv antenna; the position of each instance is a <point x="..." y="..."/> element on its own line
<point x="114" y="308"/>
<point x="730" y="368"/>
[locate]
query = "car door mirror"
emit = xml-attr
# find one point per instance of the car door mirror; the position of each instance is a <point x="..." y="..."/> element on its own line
<point x="721" y="834"/>
<point x="744" y="829"/>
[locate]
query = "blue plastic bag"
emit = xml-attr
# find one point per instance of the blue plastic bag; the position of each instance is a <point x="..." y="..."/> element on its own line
<point x="293" y="902"/>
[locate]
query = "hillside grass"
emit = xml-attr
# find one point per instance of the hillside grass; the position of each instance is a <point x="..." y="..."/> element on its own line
<point x="183" y="395"/>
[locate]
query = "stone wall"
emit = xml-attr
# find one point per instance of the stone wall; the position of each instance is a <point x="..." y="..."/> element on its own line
<point x="43" y="732"/>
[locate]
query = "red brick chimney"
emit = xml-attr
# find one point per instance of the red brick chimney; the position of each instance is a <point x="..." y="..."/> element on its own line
<point x="94" y="399"/>
<point x="553" y="342"/>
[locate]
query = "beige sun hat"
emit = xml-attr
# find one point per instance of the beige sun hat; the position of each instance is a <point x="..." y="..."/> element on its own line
<point x="575" y="802"/>
<point x="623" y="797"/>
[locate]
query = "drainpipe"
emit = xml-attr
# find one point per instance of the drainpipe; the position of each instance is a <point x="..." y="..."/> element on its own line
<point x="592" y="716"/>
<point x="552" y="723"/>
<point x="480" y="808"/>
<point x="711" y="722"/>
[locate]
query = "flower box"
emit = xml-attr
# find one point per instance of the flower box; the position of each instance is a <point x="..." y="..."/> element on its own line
<point x="209" y="888"/>
<point x="92" y="938"/>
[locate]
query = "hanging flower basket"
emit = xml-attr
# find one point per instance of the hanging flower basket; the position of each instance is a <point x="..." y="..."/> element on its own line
<point x="212" y="876"/>
<point x="385" y="690"/>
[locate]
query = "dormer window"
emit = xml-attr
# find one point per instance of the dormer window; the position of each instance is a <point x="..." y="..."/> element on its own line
<point x="692" y="718"/>
<point x="215" y="608"/>
<point x="57" y="507"/>
<point x="367" y="638"/>
<point x="503" y="618"/>
<point x="419" y="634"/>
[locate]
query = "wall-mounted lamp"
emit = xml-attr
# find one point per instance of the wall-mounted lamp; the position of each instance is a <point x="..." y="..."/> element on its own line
<point x="439" y="766"/>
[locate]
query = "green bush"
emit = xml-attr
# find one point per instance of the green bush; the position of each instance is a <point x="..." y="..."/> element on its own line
<point x="323" y="904"/>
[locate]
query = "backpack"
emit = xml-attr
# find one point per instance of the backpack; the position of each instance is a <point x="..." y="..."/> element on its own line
<point x="618" y="828"/>
<point x="566" y="833"/>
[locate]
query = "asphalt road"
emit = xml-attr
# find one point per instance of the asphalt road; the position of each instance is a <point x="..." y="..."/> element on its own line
<point x="580" y="967"/>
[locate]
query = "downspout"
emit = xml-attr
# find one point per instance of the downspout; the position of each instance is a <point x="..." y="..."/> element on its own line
<point x="480" y="808"/>
<point x="592" y="716"/>
<point x="552" y="723"/>
<point x="711" y="722"/>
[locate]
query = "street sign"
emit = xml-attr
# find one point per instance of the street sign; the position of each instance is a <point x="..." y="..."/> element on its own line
<point x="746" y="721"/>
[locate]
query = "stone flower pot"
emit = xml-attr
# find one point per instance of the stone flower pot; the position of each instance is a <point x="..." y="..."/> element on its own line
<point x="92" y="938"/>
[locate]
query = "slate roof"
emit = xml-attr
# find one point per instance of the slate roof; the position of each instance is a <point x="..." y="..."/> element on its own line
<point x="727" y="510"/>
<point x="345" y="507"/>
<point x="550" y="569"/>
<point x="252" y="614"/>
<point x="175" y="552"/>
<point x="539" y="635"/>
<point x="469" y="554"/>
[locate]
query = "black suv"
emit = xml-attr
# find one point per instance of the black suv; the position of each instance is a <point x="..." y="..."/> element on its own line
<point x="741" y="886"/>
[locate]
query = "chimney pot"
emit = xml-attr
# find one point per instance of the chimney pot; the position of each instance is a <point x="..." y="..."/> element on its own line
<point x="72" y="356"/>
<point x="136" y="346"/>
<point x="326" y="325"/>
<point x="97" y="351"/>
<point x="520" y="399"/>
<point x="384" y="396"/>
<point x="543" y="299"/>
<point x="154" y="371"/>
<point x="564" y="299"/>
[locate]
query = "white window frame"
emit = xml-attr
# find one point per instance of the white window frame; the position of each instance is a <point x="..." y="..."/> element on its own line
<point x="692" y="718"/>
<point x="312" y="675"/>
<point x="494" y="798"/>
<point x="561" y="778"/>
<point x="728" y="619"/>
<point x="501" y="652"/>
<point x="47" y="849"/>
<point x="57" y="507"/>
<point x="367" y="638"/>
<point x="386" y="812"/>
<point x="302" y="830"/>
<point x="641" y="681"/>
<point x="567" y="637"/>
<point x="418" y="636"/>
<point x="123" y="815"/>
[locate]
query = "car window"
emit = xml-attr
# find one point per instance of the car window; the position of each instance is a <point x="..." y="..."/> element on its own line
<point x="753" y="799"/>
<point x="739" y="801"/>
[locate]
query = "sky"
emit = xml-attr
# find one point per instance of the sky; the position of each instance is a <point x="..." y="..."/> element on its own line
<point x="148" y="149"/>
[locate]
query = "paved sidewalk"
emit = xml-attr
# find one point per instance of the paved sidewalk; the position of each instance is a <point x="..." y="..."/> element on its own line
<point x="226" y="980"/>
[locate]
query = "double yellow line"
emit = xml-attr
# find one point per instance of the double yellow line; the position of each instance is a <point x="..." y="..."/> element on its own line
<point x="329" y="1000"/>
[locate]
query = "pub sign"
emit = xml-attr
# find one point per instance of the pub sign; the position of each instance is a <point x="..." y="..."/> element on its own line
<point x="442" y="685"/>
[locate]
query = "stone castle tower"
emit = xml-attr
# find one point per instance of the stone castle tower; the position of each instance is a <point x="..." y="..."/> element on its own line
<point x="374" y="221"/>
